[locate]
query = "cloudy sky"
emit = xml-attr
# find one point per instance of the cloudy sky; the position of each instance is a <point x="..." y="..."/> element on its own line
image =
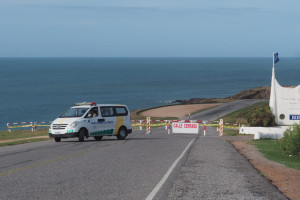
<point x="149" y="28"/>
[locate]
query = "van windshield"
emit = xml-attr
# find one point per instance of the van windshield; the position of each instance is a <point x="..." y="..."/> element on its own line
<point x="74" y="112"/>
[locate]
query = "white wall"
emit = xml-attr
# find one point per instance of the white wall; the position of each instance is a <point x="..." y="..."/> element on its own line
<point x="264" y="132"/>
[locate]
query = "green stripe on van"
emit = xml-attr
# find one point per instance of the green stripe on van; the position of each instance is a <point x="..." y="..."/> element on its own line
<point x="104" y="132"/>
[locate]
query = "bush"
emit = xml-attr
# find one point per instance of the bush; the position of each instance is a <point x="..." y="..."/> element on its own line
<point x="262" y="116"/>
<point x="290" y="143"/>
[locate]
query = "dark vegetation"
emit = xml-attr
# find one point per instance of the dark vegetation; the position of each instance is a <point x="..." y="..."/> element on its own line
<point x="259" y="114"/>
<point x="290" y="143"/>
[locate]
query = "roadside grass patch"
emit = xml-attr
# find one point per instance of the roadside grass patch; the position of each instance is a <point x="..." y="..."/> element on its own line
<point x="230" y="132"/>
<point x="17" y="134"/>
<point x="271" y="150"/>
<point x="23" y="141"/>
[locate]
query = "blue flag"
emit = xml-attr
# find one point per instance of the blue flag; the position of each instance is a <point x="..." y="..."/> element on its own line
<point x="276" y="58"/>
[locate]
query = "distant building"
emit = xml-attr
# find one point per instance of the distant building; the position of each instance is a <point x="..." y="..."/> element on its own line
<point x="284" y="102"/>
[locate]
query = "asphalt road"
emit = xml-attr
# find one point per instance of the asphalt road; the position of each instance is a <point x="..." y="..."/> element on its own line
<point x="224" y="109"/>
<point x="156" y="166"/>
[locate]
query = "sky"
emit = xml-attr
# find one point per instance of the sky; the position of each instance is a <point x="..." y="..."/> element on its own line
<point x="149" y="28"/>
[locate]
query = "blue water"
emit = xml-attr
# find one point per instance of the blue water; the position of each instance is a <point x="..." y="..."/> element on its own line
<point x="40" y="89"/>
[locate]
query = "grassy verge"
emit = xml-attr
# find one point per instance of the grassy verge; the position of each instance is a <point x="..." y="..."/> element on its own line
<point x="231" y="132"/>
<point x="232" y="117"/>
<point x="271" y="149"/>
<point x="23" y="141"/>
<point x="17" y="134"/>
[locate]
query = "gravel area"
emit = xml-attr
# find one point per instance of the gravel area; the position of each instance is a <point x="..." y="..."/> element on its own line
<point x="286" y="179"/>
<point x="214" y="169"/>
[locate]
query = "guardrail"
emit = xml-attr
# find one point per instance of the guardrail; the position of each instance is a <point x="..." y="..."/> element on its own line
<point x="19" y="125"/>
<point x="139" y="123"/>
<point x="168" y="123"/>
<point x="41" y="124"/>
<point x="200" y="122"/>
<point x="32" y="125"/>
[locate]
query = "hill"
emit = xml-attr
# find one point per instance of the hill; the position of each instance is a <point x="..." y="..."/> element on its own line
<point x="254" y="93"/>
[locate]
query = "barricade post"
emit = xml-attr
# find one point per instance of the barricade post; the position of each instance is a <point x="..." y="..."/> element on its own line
<point x="169" y="127"/>
<point x="204" y="128"/>
<point x="8" y="127"/>
<point x="221" y="127"/>
<point x="19" y="125"/>
<point x="148" y="125"/>
<point x="166" y="124"/>
<point x="141" y="127"/>
<point x="41" y="124"/>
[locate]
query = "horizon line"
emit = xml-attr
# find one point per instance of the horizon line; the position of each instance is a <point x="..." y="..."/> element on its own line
<point x="144" y="57"/>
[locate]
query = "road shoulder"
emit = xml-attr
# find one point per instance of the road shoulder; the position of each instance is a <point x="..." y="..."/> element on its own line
<point x="286" y="179"/>
<point x="216" y="170"/>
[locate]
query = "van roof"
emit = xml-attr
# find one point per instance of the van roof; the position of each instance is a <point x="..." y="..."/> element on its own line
<point x="88" y="106"/>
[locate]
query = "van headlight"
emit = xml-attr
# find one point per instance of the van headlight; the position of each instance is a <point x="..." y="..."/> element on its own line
<point x="74" y="124"/>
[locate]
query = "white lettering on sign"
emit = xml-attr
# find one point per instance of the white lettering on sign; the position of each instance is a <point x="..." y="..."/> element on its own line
<point x="294" y="117"/>
<point x="188" y="128"/>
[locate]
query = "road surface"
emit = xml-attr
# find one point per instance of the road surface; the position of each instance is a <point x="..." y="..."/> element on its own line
<point x="156" y="166"/>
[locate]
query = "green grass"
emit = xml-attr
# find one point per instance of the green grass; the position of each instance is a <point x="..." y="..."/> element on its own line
<point x="232" y="117"/>
<point x="230" y="132"/>
<point x="23" y="141"/>
<point x="17" y="134"/>
<point x="271" y="149"/>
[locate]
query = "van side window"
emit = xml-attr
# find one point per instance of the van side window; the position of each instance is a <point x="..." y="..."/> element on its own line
<point x="107" y="111"/>
<point x="121" y="111"/>
<point x="93" y="112"/>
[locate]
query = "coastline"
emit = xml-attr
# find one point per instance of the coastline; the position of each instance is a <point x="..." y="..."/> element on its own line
<point x="183" y="108"/>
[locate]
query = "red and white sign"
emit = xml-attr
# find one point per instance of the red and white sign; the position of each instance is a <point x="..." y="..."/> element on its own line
<point x="189" y="128"/>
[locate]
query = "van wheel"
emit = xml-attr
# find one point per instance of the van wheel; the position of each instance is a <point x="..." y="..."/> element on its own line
<point x="57" y="139"/>
<point x="98" y="138"/>
<point x="122" y="134"/>
<point x="81" y="135"/>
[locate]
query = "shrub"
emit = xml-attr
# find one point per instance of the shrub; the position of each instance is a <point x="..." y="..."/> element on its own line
<point x="290" y="142"/>
<point x="257" y="116"/>
<point x="241" y="120"/>
<point x="262" y="116"/>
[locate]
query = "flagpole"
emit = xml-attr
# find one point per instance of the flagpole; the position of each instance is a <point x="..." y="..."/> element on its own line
<point x="273" y="59"/>
<point x="272" y="90"/>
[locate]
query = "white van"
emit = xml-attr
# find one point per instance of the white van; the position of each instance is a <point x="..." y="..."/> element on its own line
<point x="91" y="119"/>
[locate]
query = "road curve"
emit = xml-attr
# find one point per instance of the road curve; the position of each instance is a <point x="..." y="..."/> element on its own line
<point x="224" y="109"/>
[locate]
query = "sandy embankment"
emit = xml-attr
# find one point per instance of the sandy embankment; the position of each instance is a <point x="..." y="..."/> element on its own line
<point x="177" y="110"/>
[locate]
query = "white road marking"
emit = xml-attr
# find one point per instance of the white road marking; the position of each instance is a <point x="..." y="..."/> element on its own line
<point x="165" y="177"/>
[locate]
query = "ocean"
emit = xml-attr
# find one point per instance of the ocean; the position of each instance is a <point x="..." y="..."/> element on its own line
<point x="40" y="89"/>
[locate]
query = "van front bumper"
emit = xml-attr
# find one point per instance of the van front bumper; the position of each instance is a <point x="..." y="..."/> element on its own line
<point x="66" y="135"/>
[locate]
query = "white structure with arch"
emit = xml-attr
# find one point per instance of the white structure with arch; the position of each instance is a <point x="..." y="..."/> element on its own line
<point x="284" y="102"/>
